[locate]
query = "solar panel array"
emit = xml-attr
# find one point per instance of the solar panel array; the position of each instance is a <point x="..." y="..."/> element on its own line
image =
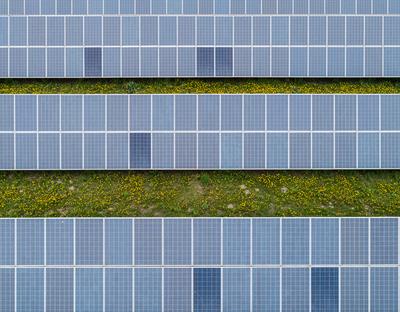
<point x="93" y="132"/>
<point x="200" y="46"/>
<point x="78" y="7"/>
<point x="278" y="264"/>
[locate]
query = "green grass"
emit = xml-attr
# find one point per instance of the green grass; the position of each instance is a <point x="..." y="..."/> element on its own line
<point x="313" y="193"/>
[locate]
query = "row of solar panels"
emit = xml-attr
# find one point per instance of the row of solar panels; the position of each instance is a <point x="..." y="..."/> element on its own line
<point x="199" y="242"/>
<point x="199" y="290"/>
<point x="200" y="46"/>
<point x="79" y="7"/>
<point x="199" y="132"/>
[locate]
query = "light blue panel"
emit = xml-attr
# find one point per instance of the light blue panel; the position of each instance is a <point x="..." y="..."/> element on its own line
<point x="380" y="6"/>
<point x="279" y="30"/>
<point x="174" y="7"/>
<point x="384" y="241"/>
<point x="355" y="30"/>
<point x="117" y="151"/>
<point x="3" y="7"/>
<point x="231" y="112"/>
<point x="236" y="292"/>
<point x="317" y="7"/>
<point x="148" y="290"/>
<point x="208" y="150"/>
<point x="242" y="30"/>
<point x="93" y="27"/>
<point x="231" y="150"/>
<point x="364" y="7"/>
<point x="18" y="62"/>
<point x="59" y="241"/>
<point x="89" y="290"/>
<point x="59" y="289"/>
<point x="285" y="7"/>
<point x="71" y="112"/>
<point x="25" y="151"/>
<point x="7" y="286"/>
<point x="185" y="112"/>
<point x="322" y="147"/>
<point x="127" y="7"/>
<point x="49" y="151"/>
<point x="4" y="33"/>
<point x="36" y="62"/>
<point x="130" y="62"/>
<point x="89" y="241"/>
<point x="355" y="62"/>
<point x="158" y="6"/>
<point x="336" y="62"/>
<point x="298" y="30"/>
<point x="373" y="62"/>
<point x="208" y="112"/>
<point x="55" y="31"/>
<point x="390" y="112"/>
<point x="242" y="62"/>
<point x="130" y="30"/>
<point x="280" y="62"/>
<point x="345" y="112"/>
<point x="177" y="289"/>
<point x="55" y="62"/>
<point x="354" y="289"/>
<point x="167" y="62"/>
<point x="295" y="290"/>
<point x="32" y="7"/>
<point x="177" y="242"/>
<point x="185" y="150"/>
<point x="223" y="61"/>
<point x="63" y="7"/>
<point x="94" y="113"/>
<point x="253" y="6"/>
<point x="316" y="36"/>
<point x="191" y="6"/>
<point x="393" y="7"/>
<point x="149" y="30"/>
<point x="384" y="289"/>
<point x="348" y="6"/>
<point x="110" y="6"/>
<point x="373" y="30"/>
<point x="261" y="30"/>
<point x="392" y="64"/>
<point x="168" y="30"/>
<point x="325" y="241"/>
<point x="390" y="150"/>
<point x="322" y="108"/>
<point x="140" y="111"/>
<point x="18" y="31"/>
<point x="111" y="31"/>
<point x="30" y="242"/>
<point x="345" y="150"/>
<point x="163" y="112"/>
<point x="112" y="62"/>
<point x="186" y="62"/>
<point x="254" y="150"/>
<point x="354" y="241"/>
<point x="277" y="112"/>
<point x="74" y="62"/>
<point x="266" y="241"/>
<point x="148" y="241"/>
<point x="332" y="6"/>
<point x="6" y="113"/>
<point x="186" y="30"/>
<point x="368" y="112"/>
<point x="16" y="7"/>
<point x="368" y="150"/>
<point x="117" y="112"/>
<point x="336" y="30"/>
<point x="295" y="241"/>
<point x="71" y="151"/>
<point x="74" y="30"/>
<point x="48" y="113"/>
<point x="118" y="290"/>
<point x="300" y="7"/>
<point x="94" y="151"/>
<point x="300" y="112"/>
<point x="30" y="290"/>
<point x="300" y="150"/>
<point x="277" y="150"/>
<point x="254" y="113"/>
<point x="163" y="150"/>
<point x="25" y="113"/>
<point x="95" y="7"/>
<point x="6" y="151"/>
<point x="238" y="7"/>
<point x="205" y="30"/>
<point x="207" y="241"/>
<point x="79" y="7"/>
<point x="36" y="31"/>
<point x="149" y="62"/>
<point x="223" y="30"/>
<point x="317" y="62"/>
<point x="222" y="7"/>
<point x="236" y="241"/>
<point x="7" y="243"/>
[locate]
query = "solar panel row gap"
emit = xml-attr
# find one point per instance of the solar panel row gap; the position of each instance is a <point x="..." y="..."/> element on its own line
<point x="51" y="132"/>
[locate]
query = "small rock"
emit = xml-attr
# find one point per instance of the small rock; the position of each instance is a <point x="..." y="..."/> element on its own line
<point x="70" y="181"/>
<point x="247" y="192"/>
<point x="243" y="187"/>
<point x="284" y="189"/>
<point x="71" y="188"/>
<point x="257" y="189"/>
<point x="230" y="206"/>
<point x="59" y="181"/>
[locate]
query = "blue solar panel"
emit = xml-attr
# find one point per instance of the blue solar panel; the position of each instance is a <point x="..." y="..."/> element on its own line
<point x="7" y="243"/>
<point x="266" y="290"/>
<point x="354" y="289"/>
<point x="236" y="292"/>
<point x="59" y="289"/>
<point x="295" y="289"/>
<point x="118" y="290"/>
<point x="325" y="289"/>
<point x="118" y="242"/>
<point x="177" y="289"/>
<point x="207" y="289"/>
<point x="148" y="289"/>
<point x="89" y="289"/>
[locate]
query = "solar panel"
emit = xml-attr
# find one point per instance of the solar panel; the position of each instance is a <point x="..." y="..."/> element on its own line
<point x="144" y="132"/>
<point x="77" y="46"/>
<point x="199" y="264"/>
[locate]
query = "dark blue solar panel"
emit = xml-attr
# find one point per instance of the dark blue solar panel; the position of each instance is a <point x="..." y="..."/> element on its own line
<point x="140" y="150"/>
<point x="207" y="289"/>
<point x="325" y="289"/>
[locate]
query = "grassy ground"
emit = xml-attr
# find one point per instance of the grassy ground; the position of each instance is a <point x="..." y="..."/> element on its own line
<point x="360" y="193"/>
